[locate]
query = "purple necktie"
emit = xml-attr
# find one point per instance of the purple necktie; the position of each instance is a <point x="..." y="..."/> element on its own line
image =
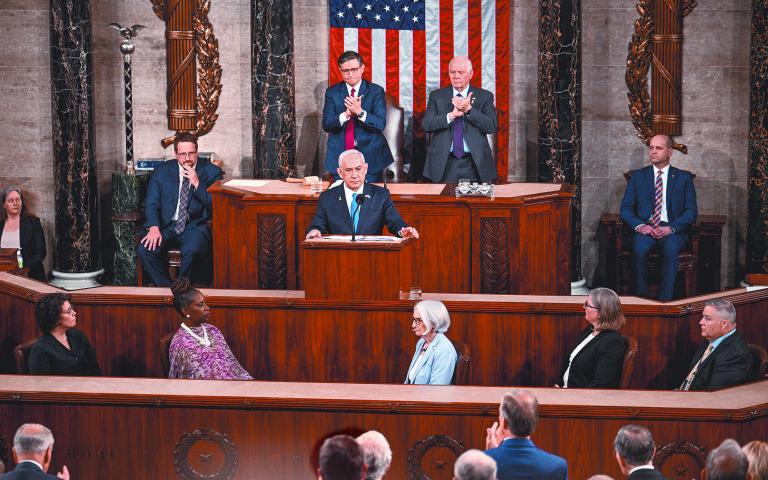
<point x="458" y="135"/>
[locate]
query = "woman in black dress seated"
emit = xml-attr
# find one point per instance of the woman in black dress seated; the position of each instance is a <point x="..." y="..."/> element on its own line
<point x="597" y="358"/>
<point x="62" y="349"/>
<point x="22" y="231"/>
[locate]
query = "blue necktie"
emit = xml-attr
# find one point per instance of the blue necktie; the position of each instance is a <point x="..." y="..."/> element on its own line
<point x="354" y="212"/>
<point x="458" y="135"/>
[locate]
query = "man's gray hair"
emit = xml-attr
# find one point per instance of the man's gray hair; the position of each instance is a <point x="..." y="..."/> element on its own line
<point x="724" y="309"/>
<point x="635" y="445"/>
<point x="727" y="462"/>
<point x="377" y="454"/>
<point x="474" y="465"/>
<point x="349" y="153"/>
<point x="32" y="438"/>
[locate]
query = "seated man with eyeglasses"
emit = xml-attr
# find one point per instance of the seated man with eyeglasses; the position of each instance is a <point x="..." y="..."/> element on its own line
<point x="177" y="209"/>
<point x="354" y="115"/>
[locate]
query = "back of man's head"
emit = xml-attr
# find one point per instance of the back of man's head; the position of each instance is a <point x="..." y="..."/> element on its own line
<point x="727" y="462"/>
<point x="520" y="410"/>
<point x="474" y="465"/>
<point x="635" y="445"/>
<point x="376" y="453"/>
<point x="341" y="458"/>
<point x="32" y="442"/>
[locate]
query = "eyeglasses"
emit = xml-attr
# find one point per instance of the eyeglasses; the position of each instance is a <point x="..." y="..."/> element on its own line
<point x="349" y="71"/>
<point x="587" y="305"/>
<point x="186" y="156"/>
<point x="417" y="321"/>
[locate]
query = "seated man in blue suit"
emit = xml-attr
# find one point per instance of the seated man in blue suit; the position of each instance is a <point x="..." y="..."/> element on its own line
<point x="508" y="442"/>
<point x="356" y="204"/>
<point x="660" y="206"/>
<point x="354" y="115"/>
<point x="177" y="208"/>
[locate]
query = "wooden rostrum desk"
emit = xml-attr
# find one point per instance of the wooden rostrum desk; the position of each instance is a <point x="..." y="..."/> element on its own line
<point x="122" y="428"/>
<point x="517" y="242"/>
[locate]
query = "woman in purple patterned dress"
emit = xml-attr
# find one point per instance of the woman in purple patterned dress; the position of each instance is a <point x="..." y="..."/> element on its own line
<point x="198" y="349"/>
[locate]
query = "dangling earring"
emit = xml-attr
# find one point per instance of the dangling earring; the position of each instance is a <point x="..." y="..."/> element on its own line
<point x="187" y="315"/>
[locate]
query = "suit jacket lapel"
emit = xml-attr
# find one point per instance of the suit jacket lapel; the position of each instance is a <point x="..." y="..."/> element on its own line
<point x="671" y="180"/>
<point x="341" y="207"/>
<point x="175" y="182"/>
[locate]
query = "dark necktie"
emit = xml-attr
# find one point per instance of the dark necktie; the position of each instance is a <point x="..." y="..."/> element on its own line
<point x="349" y="135"/>
<point x="458" y="135"/>
<point x="184" y="195"/>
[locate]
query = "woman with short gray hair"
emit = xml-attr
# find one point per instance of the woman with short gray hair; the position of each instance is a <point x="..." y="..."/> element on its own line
<point x="434" y="360"/>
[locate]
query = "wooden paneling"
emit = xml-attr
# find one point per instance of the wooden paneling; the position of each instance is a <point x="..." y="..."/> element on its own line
<point x="274" y="430"/>
<point x="280" y="335"/>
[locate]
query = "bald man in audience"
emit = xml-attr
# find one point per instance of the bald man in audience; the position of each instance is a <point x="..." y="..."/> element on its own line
<point x="474" y="465"/>
<point x="376" y="452"/>
<point x="723" y="359"/>
<point x="727" y="462"/>
<point x="341" y="458"/>
<point x="635" y="448"/>
<point x="32" y="452"/>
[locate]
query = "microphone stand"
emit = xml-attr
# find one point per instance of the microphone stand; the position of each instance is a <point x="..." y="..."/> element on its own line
<point x="359" y="201"/>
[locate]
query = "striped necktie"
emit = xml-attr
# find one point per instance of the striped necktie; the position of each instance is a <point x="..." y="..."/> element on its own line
<point x="689" y="379"/>
<point x="658" y="199"/>
<point x="184" y="194"/>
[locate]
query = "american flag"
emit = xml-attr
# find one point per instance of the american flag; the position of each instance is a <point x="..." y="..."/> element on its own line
<point x="407" y="44"/>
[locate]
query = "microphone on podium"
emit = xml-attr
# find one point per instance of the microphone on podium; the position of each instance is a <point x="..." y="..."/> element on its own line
<point x="359" y="200"/>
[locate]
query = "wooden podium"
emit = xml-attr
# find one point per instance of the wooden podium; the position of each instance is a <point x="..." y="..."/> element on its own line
<point x="336" y="268"/>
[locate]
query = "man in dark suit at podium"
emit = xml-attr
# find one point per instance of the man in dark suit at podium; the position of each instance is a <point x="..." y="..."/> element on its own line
<point x="356" y="205"/>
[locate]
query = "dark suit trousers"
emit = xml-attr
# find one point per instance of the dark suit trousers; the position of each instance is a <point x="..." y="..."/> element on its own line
<point x="671" y="245"/>
<point x="460" y="168"/>
<point x="193" y="244"/>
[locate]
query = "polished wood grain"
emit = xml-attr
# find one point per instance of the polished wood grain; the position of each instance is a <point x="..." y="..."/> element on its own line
<point x="449" y="256"/>
<point x="282" y="336"/>
<point x="102" y="426"/>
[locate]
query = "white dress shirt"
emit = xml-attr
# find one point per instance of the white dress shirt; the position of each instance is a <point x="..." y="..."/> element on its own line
<point x="342" y="116"/>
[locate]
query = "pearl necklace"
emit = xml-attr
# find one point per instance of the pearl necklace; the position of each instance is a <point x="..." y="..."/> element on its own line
<point x="202" y="340"/>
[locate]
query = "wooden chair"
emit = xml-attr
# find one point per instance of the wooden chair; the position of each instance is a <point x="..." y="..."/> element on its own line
<point x="629" y="362"/>
<point x="461" y="374"/>
<point x="165" y="361"/>
<point x="20" y="353"/>
<point x="759" y="361"/>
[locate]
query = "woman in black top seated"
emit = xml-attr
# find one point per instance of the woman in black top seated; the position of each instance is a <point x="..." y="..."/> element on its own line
<point x="597" y="358"/>
<point x="20" y="230"/>
<point x="61" y="350"/>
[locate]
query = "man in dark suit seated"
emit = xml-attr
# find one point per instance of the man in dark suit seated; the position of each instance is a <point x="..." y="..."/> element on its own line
<point x="177" y="208"/>
<point x="723" y="360"/>
<point x="356" y="205"/>
<point x="460" y="117"/>
<point x="508" y="442"/>
<point x="635" y="448"/>
<point x="32" y="452"/>
<point x="660" y="206"/>
<point x="728" y="461"/>
<point x="354" y="115"/>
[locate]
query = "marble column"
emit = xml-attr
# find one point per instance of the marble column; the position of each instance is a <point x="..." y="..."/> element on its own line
<point x="559" y="113"/>
<point x="77" y="261"/>
<point x="757" y="195"/>
<point x="274" y="117"/>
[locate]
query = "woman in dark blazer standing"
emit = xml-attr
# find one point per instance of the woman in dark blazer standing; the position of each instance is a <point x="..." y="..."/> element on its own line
<point x="597" y="358"/>
<point x="20" y="230"/>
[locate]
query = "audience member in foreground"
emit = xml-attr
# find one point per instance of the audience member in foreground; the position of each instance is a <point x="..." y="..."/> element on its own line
<point x="61" y="349"/>
<point x="474" y="465"/>
<point x="21" y="230"/>
<point x="341" y="458"/>
<point x="376" y="452"/>
<point x="32" y="452"/>
<point x="597" y="357"/>
<point x="508" y="441"/>
<point x="723" y="360"/>
<point x="635" y="448"/>
<point x="435" y="358"/>
<point x="198" y="349"/>
<point x="727" y="462"/>
<point x="757" y="454"/>
<point x="600" y="477"/>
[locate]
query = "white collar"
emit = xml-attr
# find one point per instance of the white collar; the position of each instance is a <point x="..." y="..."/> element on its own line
<point x="356" y="87"/>
<point x="642" y="467"/>
<point x="348" y="191"/>
<point x="31" y="461"/>
<point x="663" y="171"/>
<point x="463" y="93"/>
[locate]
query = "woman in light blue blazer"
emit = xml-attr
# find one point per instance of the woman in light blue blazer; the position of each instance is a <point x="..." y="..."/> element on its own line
<point x="435" y="358"/>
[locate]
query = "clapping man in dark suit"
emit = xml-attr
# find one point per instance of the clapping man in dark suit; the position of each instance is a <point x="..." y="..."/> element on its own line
<point x="660" y="206"/>
<point x="177" y="208"/>
<point x="509" y="443"/>
<point x="723" y="360"/>
<point x="356" y="205"/>
<point x="354" y="115"/>
<point x="32" y="452"/>
<point x="635" y="448"/>
<point x="460" y="117"/>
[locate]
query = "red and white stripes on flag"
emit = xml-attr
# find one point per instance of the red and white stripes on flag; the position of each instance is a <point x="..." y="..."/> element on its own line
<point x="411" y="63"/>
